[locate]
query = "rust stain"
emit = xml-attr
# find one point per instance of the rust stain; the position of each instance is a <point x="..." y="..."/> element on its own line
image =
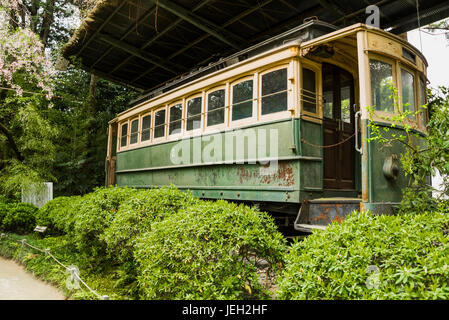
<point x="284" y="176"/>
<point x="321" y="217"/>
<point x="338" y="219"/>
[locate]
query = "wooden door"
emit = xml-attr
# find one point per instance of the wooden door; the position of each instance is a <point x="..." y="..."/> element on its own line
<point x="339" y="125"/>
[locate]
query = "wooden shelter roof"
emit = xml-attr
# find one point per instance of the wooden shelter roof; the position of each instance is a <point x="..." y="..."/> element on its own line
<point x="144" y="43"/>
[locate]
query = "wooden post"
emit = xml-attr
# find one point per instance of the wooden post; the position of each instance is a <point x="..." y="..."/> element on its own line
<point x="364" y="87"/>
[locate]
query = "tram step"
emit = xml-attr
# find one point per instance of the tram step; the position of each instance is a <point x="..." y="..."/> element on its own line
<point x="318" y="213"/>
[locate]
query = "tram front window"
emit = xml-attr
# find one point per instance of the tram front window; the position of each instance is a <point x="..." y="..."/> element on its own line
<point x="381" y="82"/>
<point x="408" y="93"/>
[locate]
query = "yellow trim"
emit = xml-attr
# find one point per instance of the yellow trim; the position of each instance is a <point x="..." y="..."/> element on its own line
<point x="177" y="135"/>
<point x="219" y="126"/>
<point x="289" y="91"/>
<point x="155" y="140"/>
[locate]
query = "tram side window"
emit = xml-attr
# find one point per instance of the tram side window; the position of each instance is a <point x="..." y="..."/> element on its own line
<point x="134" y="131"/>
<point x="146" y="128"/>
<point x="381" y="82"/>
<point x="175" y="119"/>
<point x="274" y="92"/>
<point x="408" y="93"/>
<point x="215" y="107"/>
<point x="308" y="90"/>
<point x="159" y="124"/>
<point x="423" y="102"/>
<point x="242" y="100"/>
<point x="124" y="135"/>
<point x="194" y="114"/>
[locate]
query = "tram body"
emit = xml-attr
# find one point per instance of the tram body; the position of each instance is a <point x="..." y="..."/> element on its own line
<point x="283" y="124"/>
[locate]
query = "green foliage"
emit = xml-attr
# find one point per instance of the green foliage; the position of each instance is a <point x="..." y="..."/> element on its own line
<point x="94" y="214"/>
<point x="20" y="218"/>
<point x="137" y="213"/>
<point x="208" y="251"/>
<point x="372" y="257"/>
<point x="422" y="155"/>
<point x="58" y="215"/>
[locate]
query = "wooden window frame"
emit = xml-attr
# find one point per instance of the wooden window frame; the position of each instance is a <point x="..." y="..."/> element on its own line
<point x="424" y="113"/>
<point x="281" y="114"/>
<point x="381" y="115"/>
<point x="415" y="89"/>
<point x="149" y="141"/>
<point x="317" y="68"/>
<point x="160" y="139"/>
<point x="138" y="131"/>
<point x="247" y="121"/>
<point x="193" y="132"/>
<point x="177" y="135"/>
<point x="119" y="144"/>
<point x="220" y="126"/>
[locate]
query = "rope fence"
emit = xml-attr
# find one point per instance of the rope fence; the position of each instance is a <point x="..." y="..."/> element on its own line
<point x="74" y="272"/>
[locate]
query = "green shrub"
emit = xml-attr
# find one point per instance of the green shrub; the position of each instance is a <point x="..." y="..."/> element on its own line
<point x="208" y="251"/>
<point x="20" y="218"/>
<point x="58" y="215"/>
<point x="94" y="213"/>
<point x="136" y="215"/>
<point x="4" y="208"/>
<point x="372" y="257"/>
<point x="5" y="200"/>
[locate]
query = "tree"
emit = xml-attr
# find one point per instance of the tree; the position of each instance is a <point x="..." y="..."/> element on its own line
<point x="52" y="124"/>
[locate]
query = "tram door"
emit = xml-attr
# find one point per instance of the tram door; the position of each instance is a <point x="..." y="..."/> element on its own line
<point x="339" y="125"/>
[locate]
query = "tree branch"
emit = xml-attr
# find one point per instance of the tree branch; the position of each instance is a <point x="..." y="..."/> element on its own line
<point x="11" y="142"/>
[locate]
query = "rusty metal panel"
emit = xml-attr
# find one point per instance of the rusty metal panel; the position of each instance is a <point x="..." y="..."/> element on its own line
<point x="323" y="212"/>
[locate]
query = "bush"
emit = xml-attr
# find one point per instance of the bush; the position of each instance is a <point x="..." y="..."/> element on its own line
<point x="58" y="215"/>
<point x="372" y="257"/>
<point x="4" y="208"/>
<point x="208" y="251"/>
<point x="94" y="213"/>
<point x="136" y="215"/>
<point x="20" y="218"/>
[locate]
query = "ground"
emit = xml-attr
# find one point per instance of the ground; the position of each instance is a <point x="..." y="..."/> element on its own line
<point x="17" y="284"/>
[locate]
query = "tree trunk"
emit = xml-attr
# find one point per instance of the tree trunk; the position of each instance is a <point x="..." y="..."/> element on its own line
<point x="11" y="142"/>
<point x="92" y="92"/>
<point x="47" y="21"/>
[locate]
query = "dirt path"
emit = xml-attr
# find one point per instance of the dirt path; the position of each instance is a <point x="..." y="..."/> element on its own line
<point x="17" y="284"/>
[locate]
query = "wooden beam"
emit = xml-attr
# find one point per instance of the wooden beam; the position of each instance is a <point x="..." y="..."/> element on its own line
<point x="102" y="26"/>
<point x="332" y="7"/>
<point x="229" y="22"/>
<point x="162" y="63"/>
<point x="148" y="14"/>
<point x="160" y="34"/>
<point x="203" y="24"/>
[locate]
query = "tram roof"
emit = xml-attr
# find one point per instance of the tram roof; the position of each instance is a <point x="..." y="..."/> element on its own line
<point x="144" y="44"/>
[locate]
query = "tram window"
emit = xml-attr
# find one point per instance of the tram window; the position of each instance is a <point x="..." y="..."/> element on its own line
<point x="308" y="90"/>
<point x="408" y="92"/>
<point x="381" y="81"/>
<point x="194" y="114"/>
<point x="134" y="131"/>
<point x="274" y="91"/>
<point x="146" y="128"/>
<point x="408" y="55"/>
<point x="242" y="100"/>
<point x="175" y="119"/>
<point x="423" y="102"/>
<point x="215" y="107"/>
<point x="159" y="124"/>
<point x="346" y="83"/>
<point x="124" y="135"/>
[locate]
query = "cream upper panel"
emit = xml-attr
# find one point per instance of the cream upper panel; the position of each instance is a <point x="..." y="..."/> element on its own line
<point x="229" y="74"/>
<point x="383" y="45"/>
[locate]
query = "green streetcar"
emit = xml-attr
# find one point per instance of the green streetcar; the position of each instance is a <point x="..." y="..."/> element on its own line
<point x="283" y="124"/>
